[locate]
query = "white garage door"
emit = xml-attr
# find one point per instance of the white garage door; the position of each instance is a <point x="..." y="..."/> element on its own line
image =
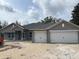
<point x="40" y="36"/>
<point x="64" y="37"/>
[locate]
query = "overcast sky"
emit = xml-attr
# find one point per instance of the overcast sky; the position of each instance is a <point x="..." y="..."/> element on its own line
<point x="28" y="11"/>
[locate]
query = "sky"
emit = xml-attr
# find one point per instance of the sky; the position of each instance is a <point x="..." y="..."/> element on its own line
<point x="29" y="11"/>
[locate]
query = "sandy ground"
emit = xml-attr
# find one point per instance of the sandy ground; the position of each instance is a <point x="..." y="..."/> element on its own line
<point x="28" y="50"/>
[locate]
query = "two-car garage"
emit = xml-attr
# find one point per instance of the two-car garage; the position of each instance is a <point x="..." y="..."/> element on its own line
<point x="56" y="36"/>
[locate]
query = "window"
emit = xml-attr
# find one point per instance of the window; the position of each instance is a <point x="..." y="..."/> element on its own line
<point x="30" y="34"/>
<point x="10" y="35"/>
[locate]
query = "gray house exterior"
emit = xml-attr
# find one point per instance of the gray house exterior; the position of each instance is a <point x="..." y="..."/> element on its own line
<point x="60" y="32"/>
<point x="15" y="32"/>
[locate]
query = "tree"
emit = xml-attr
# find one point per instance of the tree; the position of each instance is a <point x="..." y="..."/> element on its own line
<point x="0" y="24"/>
<point x="5" y="23"/>
<point x="17" y="22"/>
<point x="75" y="15"/>
<point x="49" y="19"/>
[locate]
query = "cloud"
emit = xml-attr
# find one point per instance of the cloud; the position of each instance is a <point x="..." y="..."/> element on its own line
<point x="37" y="11"/>
<point x="33" y="13"/>
<point x="22" y="17"/>
<point x="10" y="14"/>
<point x="57" y="8"/>
<point x="6" y="7"/>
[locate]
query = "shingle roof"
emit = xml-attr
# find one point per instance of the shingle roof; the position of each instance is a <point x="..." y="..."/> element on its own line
<point x="37" y="26"/>
<point x="47" y="26"/>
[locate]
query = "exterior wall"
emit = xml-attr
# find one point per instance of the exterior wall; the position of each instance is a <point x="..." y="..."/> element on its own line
<point x="24" y="36"/>
<point x="27" y="35"/>
<point x="13" y="36"/>
<point x="40" y="36"/>
<point x="5" y="37"/>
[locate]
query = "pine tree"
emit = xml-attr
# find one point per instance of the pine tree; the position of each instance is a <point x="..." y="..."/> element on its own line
<point x="50" y="19"/>
<point x="75" y="15"/>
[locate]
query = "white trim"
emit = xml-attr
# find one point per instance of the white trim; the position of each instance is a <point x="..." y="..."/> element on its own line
<point x="74" y="24"/>
<point x="62" y="30"/>
<point x="19" y="26"/>
<point x="38" y="29"/>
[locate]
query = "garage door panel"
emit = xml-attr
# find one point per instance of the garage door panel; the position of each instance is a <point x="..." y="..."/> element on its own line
<point x="64" y="37"/>
<point x="40" y="36"/>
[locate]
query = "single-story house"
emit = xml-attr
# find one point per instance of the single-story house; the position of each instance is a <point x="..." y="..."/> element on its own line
<point x="60" y="32"/>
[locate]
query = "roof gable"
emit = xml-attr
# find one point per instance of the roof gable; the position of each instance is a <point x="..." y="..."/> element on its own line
<point x="64" y="25"/>
<point x="11" y="28"/>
